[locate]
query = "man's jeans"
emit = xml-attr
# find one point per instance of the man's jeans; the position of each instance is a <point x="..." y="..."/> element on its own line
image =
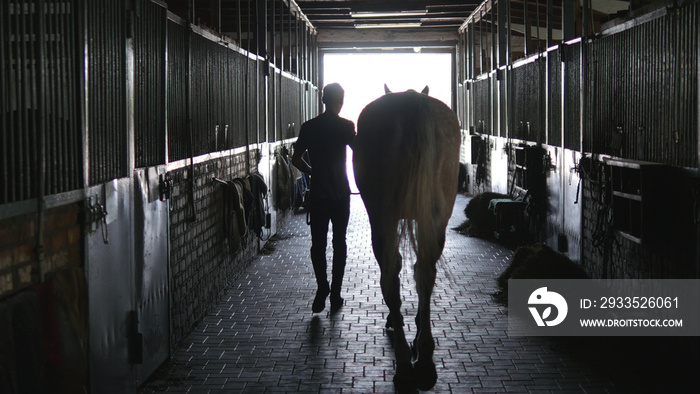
<point x="322" y="212"/>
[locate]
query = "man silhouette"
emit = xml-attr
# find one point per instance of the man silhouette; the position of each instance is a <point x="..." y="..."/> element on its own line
<point x="324" y="138"/>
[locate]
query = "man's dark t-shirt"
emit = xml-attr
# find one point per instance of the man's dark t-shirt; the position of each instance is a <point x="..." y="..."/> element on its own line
<point x="325" y="138"/>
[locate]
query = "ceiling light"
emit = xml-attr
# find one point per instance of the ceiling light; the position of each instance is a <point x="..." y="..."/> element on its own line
<point x="364" y="14"/>
<point x="385" y="25"/>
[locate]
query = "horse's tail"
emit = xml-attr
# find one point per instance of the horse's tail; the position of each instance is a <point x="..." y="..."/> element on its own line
<point x="423" y="192"/>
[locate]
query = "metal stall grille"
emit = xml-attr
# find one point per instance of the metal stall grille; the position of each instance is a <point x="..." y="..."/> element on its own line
<point x="252" y="101"/>
<point x="217" y="93"/>
<point x="40" y="104"/>
<point x="227" y="123"/>
<point x="643" y="94"/>
<point x="272" y="107"/>
<point x="461" y="105"/>
<point x="242" y="104"/>
<point x="482" y="105"/>
<point x="554" y="102"/>
<point x="291" y="107"/>
<point x="149" y="103"/>
<point x="261" y="115"/>
<point x="176" y="99"/>
<point x="500" y="103"/>
<point x="202" y="94"/>
<point x="527" y="101"/>
<point x="106" y="90"/>
<point x="572" y="96"/>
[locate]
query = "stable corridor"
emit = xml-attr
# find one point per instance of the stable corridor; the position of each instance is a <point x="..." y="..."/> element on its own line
<point x="263" y="337"/>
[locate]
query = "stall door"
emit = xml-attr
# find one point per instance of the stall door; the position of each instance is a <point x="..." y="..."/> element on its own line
<point x="151" y="270"/>
<point x="110" y="291"/>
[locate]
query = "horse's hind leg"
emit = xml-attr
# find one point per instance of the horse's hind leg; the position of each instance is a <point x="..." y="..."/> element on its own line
<point x="425" y="274"/>
<point x="386" y="250"/>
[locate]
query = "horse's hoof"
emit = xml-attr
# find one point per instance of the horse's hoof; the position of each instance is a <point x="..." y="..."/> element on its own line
<point x="404" y="383"/>
<point x="425" y="374"/>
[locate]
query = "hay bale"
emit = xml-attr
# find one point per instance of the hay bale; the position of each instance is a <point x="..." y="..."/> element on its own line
<point x="539" y="261"/>
<point x="481" y="221"/>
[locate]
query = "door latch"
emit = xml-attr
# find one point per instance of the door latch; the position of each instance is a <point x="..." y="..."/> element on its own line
<point x="96" y="214"/>
<point x="165" y="187"/>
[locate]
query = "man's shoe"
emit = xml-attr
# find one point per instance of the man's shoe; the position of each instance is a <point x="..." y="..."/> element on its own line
<point x="320" y="301"/>
<point x="336" y="303"/>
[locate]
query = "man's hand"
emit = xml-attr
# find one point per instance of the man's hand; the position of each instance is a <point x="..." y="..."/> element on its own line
<point x="299" y="162"/>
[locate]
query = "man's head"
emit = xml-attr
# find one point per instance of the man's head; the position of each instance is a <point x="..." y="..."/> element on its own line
<point x="333" y="95"/>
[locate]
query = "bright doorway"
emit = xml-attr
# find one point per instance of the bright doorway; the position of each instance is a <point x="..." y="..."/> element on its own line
<point x="363" y="76"/>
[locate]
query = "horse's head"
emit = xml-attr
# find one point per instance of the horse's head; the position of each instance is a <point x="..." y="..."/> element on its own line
<point x="388" y="91"/>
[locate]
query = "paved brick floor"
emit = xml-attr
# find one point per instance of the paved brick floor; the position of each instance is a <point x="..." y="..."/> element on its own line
<point x="263" y="337"/>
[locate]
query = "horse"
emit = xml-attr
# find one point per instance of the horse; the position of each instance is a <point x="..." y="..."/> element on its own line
<point x="406" y="163"/>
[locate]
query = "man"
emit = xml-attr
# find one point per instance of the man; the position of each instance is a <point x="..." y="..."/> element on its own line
<point x="325" y="138"/>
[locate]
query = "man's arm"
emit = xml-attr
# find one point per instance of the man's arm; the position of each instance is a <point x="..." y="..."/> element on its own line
<point x="299" y="162"/>
<point x="351" y="135"/>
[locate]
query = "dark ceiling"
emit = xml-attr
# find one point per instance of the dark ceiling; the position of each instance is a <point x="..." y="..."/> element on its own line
<point x="345" y="23"/>
<point x="403" y="24"/>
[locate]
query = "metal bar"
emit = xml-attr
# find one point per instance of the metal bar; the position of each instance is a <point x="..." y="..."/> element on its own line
<point x="550" y="12"/>
<point x="307" y="58"/>
<point x="528" y="33"/>
<point x="162" y="56"/>
<point x="166" y="88"/>
<point x="238" y="17"/>
<point x="469" y="52"/>
<point x="188" y="100"/>
<point x="481" y="42"/>
<point x="696" y="70"/>
<point x="127" y="43"/>
<point x="289" y="38"/>
<point x="460" y="60"/>
<point x="89" y="74"/>
<point x="100" y="166"/>
<point x="17" y="93"/>
<point x="250" y="27"/>
<point x="273" y="25"/>
<point x="33" y="112"/>
<point x="586" y="18"/>
<point x="41" y="142"/>
<point x="261" y="36"/>
<point x="494" y="37"/>
<point x="568" y="20"/>
<point x="510" y="34"/>
<point x="539" y="40"/>
<point x="582" y="94"/>
<point x="297" y="34"/>
<point x="83" y="80"/>
<point x="45" y="97"/>
<point x="502" y="32"/>
<point x="217" y="15"/>
<point x="23" y="84"/>
<point x="65" y="105"/>
<point x="58" y="171"/>
<point x="5" y="104"/>
<point x="290" y="19"/>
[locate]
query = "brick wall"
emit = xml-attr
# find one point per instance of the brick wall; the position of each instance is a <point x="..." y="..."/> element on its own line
<point x="62" y="245"/>
<point x="200" y="263"/>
